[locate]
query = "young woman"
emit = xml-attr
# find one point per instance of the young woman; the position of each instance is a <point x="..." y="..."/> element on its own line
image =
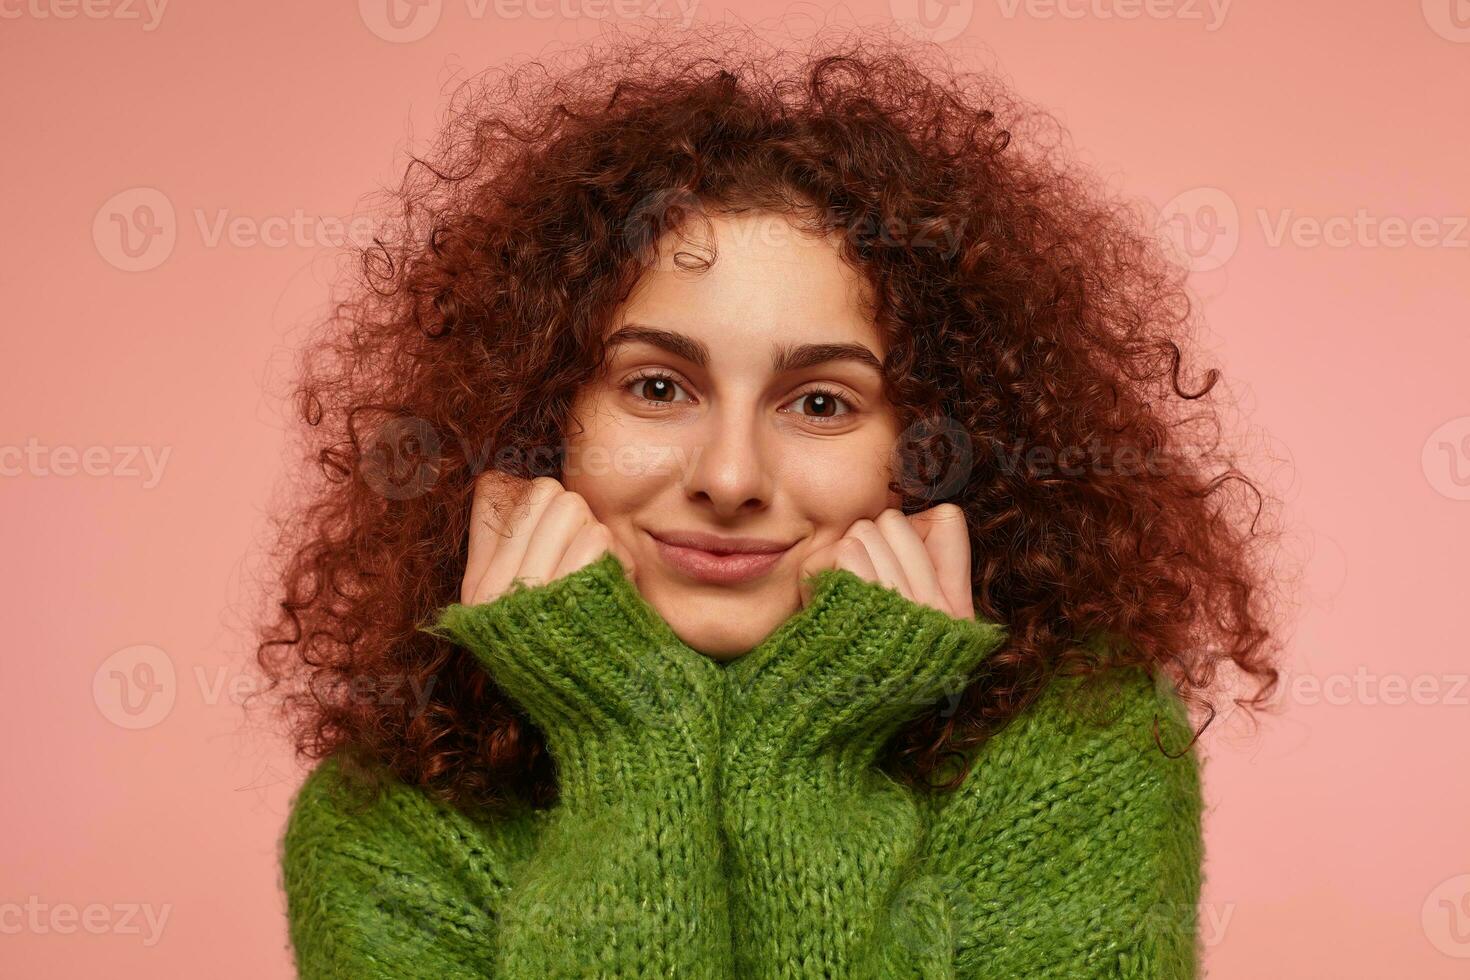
<point x="767" y="532"/>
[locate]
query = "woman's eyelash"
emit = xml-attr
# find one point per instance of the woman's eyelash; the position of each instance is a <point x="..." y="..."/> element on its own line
<point x="643" y="376"/>
<point x="826" y="393"/>
<point x="663" y="376"/>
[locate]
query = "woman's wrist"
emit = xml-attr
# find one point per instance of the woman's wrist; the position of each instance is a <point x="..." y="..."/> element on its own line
<point x="618" y="696"/>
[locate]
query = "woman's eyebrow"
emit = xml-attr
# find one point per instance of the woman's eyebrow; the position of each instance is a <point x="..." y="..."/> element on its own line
<point x="678" y="344"/>
<point x="789" y="358"/>
<point x="809" y="355"/>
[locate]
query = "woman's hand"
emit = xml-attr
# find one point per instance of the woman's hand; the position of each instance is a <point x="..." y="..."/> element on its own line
<point x="925" y="557"/>
<point x="551" y="533"/>
<point x="564" y="632"/>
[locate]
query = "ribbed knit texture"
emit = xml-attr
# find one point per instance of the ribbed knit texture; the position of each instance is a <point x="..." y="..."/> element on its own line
<point x="728" y="820"/>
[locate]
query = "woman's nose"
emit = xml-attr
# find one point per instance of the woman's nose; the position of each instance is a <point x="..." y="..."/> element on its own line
<point x="730" y="467"/>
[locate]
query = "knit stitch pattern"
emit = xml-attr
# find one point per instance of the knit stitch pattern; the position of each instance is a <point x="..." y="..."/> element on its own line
<point x="728" y="820"/>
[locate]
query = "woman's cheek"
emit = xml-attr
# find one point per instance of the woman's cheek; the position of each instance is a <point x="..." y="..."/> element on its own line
<point x="834" y="488"/>
<point x="619" y="465"/>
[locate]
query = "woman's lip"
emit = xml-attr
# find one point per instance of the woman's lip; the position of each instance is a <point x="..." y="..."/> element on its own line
<point x="705" y="566"/>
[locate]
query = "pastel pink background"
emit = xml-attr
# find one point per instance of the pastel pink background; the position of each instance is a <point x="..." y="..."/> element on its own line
<point x="1337" y="834"/>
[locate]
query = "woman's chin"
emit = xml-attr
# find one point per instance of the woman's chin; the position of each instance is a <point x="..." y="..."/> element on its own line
<point x="717" y="643"/>
<point x="726" y="626"/>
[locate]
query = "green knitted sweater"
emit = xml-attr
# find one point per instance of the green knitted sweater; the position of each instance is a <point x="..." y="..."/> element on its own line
<point x="728" y="820"/>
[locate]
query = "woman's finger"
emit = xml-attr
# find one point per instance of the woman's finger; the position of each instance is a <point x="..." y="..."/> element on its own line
<point x="493" y="488"/>
<point x="852" y="554"/>
<point x="560" y="521"/>
<point x="513" y="541"/>
<point x="586" y="547"/>
<point x="889" y="569"/>
<point x="912" y="554"/>
<point x="946" y="537"/>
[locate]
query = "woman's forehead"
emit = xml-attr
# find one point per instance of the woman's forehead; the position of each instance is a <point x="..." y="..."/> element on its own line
<point x="753" y="279"/>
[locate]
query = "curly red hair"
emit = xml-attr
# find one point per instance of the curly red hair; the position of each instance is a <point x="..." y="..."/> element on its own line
<point x="1036" y="338"/>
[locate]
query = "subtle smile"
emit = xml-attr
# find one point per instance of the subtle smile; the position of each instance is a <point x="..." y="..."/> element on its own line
<point x="718" y="561"/>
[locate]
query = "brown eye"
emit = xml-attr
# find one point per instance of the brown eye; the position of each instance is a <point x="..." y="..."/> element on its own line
<point x="822" y="405"/>
<point x="655" y="389"/>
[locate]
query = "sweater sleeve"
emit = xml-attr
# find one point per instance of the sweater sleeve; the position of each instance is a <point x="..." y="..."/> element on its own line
<point x="1061" y="855"/>
<point x="1074" y="848"/>
<point x="397" y="886"/>
<point x="622" y="876"/>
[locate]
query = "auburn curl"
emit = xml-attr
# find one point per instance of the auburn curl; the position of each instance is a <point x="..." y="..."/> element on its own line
<point x="1037" y="339"/>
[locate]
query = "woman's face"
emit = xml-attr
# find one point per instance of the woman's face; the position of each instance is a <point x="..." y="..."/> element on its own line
<point x="742" y="400"/>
